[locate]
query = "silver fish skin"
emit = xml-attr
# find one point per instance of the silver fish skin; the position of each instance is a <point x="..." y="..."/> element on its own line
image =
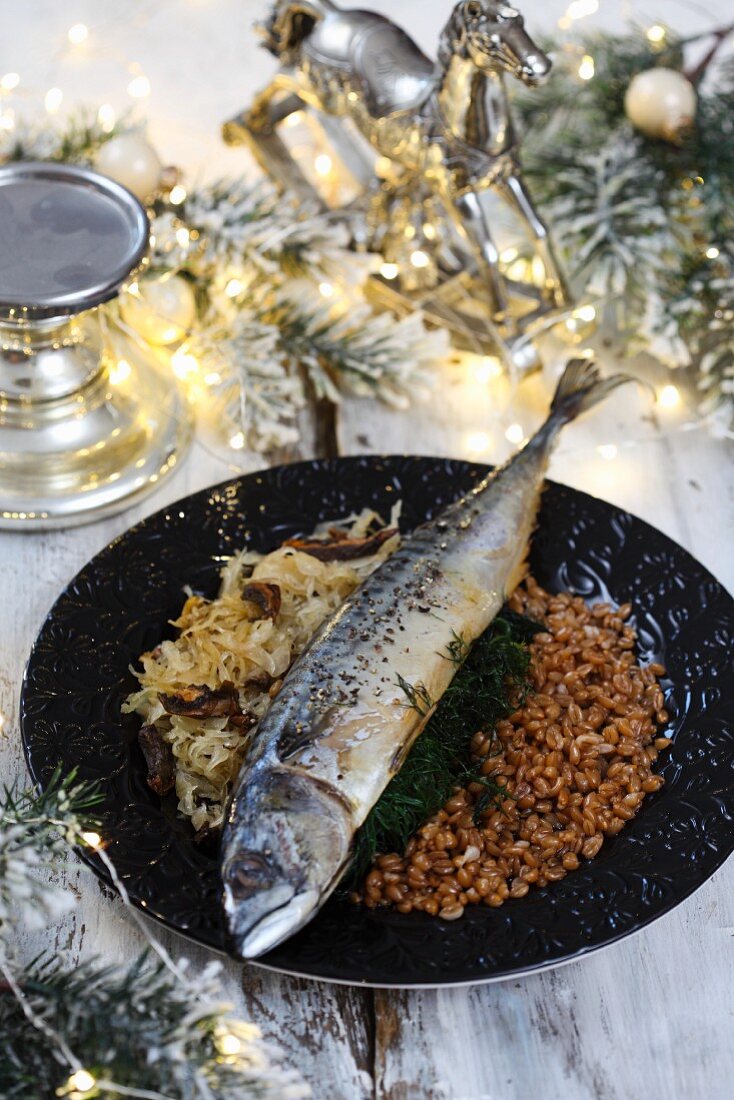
<point x="341" y="725"/>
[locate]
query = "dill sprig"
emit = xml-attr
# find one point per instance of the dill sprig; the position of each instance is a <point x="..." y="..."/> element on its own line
<point x="491" y="682"/>
<point x="417" y="696"/>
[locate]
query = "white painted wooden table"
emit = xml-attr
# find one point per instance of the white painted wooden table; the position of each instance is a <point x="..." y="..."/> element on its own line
<point x="648" y="1019"/>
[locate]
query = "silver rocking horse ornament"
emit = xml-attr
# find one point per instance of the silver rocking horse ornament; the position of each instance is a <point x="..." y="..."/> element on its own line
<point x="446" y="132"/>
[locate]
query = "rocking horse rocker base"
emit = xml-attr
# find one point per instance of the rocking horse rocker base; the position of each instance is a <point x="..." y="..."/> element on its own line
<point x="446" y="131"/>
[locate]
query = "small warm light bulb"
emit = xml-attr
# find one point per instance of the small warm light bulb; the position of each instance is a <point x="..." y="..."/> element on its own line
<point x="326" y="290"/>
<point x="213" y="378"/>
<point x="486" y="369"/>
<point x="429" y="231"/>
<point x="82" y="1081"/>
<point x="107" y="117"/>
<point x="515" y="433"/>
<point x="92" y="839"/>
<point x="712" y="252"/>
<point x="669" y="397"/>
<point x="183" y="236"/>
<point x="52" y="100"/>
<point x="608" y="451"/>
<point x="383" y="167"/>
<point x="478" y="442"/>
<point x="389" y="271"/>
<point x="586" y="68"/>
<point x="7" y="120"/>
<point x="9" y="82"/>
<point x="233" y="288"/>
<point x="120" y="372"/>
<point x="508" y="255"/>
<point x="228" y="1043"/>
<point x="78" y="34"/>
<point x="184" y="364"/>
<point x="578" y="9"/>
<point x="585" y="313"/>
<point x="323" y="164"/>
<point x="538" y="271"/>
<point x="420" y="258"/>
<point x="655" y="34"/>
<point x="295" y="119"/>
<point x="177" y="195"/>
<point x="139" y="87"/>
<point x="237" y="441"/>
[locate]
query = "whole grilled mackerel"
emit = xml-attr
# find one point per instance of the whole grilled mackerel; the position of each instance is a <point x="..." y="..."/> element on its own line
<point x="341" y="725"/>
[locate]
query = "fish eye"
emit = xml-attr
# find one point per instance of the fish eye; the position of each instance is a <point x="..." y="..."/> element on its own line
<point x="249" y="871"/>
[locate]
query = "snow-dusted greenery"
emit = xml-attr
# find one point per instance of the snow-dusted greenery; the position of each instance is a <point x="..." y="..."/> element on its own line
<point x="35" y="832"/>
<point x="148" y="1030"/>
<point x="78" y="141"/>
<point x="260" y="264"/>
<point x="647" y="226"/>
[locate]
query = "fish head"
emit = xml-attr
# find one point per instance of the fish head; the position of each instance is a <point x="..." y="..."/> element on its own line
<point x="285" y="844"/>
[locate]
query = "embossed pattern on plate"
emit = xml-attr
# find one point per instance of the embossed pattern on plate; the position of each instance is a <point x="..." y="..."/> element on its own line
<point x="120" y="604"/>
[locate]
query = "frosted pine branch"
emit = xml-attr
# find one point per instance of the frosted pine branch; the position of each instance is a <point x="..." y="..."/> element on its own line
<point x="35" y="832"/>
<point x="607" y="213"/>
<point x="77" y="142"/>
<point x="147" y="1030"/>
<point x="137" y="1029"/>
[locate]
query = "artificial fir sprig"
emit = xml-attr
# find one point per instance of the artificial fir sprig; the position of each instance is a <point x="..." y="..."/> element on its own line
<point x="35" y="832"/>
<point x="139" y="1034"/>
<point x="261" y="266"/>
<point x="644" y="223"/>
<point x="151" y="1030"/>
<point x="77" y="142"/>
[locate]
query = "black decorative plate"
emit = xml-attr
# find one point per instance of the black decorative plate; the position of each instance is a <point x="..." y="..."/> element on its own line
<point x="120" y="604"/>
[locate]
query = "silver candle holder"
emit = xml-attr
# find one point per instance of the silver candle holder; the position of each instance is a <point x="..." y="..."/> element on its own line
<point x="82" y="432"/>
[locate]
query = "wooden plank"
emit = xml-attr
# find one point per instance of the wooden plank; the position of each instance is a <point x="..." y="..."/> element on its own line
<point x="647" y="1019"/>
<point x="325" y="1030"/>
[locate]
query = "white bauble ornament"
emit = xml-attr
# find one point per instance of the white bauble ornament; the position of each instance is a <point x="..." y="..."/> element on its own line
<point x="133" y="162"/>
<point x="161" y="311"/>
<point x="661" y="103"/>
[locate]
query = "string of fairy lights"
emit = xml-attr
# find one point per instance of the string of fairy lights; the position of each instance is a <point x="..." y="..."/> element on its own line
<point x="232" y="1037"/>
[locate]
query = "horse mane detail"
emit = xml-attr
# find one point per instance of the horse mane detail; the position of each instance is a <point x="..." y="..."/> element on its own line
<point x="289" y="22"/>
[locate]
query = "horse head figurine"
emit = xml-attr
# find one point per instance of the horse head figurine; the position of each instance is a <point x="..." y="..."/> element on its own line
<point x="445" y="125"/>
<point x="493" y="37"/>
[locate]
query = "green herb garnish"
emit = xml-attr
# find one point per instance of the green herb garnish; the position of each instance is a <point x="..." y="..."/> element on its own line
<point x="492" y="681"/>
<point x="416" y="695"/>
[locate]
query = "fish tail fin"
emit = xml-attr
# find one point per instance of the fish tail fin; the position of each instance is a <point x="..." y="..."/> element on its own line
<point x="580" y="388"/>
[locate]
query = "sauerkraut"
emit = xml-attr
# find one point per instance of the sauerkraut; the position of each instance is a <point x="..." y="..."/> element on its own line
<point x="218" y="643"/>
